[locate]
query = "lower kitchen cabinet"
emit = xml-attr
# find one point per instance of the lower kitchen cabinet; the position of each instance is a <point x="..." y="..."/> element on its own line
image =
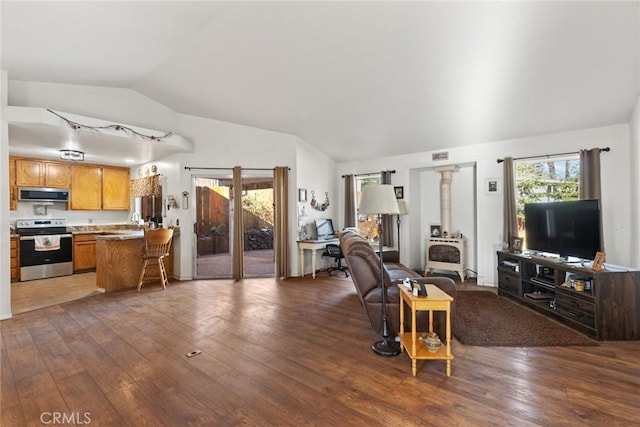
<point x="15" y="259"/>
<point x="84" y="252"/>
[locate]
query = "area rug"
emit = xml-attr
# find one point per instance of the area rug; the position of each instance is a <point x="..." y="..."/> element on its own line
<point x="485" y="319"/>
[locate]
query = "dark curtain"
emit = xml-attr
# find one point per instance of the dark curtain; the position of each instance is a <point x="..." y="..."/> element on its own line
<point x="510" y="219"/>
<point x="238" y="227"/>
<point x="281" y="202"/>
<point x="590" y="174"/>
<point x="387" y="220"/>
<point x="590" y="180"/>
<point x="350" y="201"/>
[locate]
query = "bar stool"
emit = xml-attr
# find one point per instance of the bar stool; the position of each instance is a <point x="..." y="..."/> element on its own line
<point x="156" y="247"/>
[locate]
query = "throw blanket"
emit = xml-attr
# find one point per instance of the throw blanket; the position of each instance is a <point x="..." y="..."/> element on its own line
<point x="47" y="243"/>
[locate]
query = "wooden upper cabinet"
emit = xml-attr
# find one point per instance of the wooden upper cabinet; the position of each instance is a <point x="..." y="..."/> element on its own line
<point x="116" y="189"/>
<point x="57" y="175"/>
<point x="29" y="173"/>
<point x="13" y="190"/>
<point x="86" y="187"/>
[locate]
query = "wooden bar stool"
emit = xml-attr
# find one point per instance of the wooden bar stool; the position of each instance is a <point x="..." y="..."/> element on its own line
<point x="156" y="246"/>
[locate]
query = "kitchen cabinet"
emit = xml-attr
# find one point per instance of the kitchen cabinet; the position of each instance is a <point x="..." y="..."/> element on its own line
<point x="116" y="189"/>
<point x="29" y="173"/>
<point x="39" y="173"/>
<point x="84" y="252"/>
<point x="86" y="187"/>
<point x="57" y="175"/>
<point x="15" y="258"/>
<point x="13" y="189"/>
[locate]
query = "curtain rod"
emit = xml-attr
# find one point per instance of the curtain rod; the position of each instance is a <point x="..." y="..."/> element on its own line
<point x="370" y="173"/>
<point x="229" y="169"/>
<point x="551" y="155"/>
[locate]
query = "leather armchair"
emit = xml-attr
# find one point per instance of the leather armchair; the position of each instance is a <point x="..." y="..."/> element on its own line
<point x="364" y="265"/>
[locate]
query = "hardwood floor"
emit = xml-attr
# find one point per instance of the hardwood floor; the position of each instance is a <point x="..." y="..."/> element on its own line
<point x="294" y="352"/>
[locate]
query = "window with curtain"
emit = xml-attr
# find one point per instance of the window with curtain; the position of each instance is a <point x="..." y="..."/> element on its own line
<point x="548" y="180"/>
<point x="367" y="226"/>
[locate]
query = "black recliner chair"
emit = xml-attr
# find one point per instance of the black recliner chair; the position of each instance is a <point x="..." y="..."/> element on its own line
<point x="333" y="251"/>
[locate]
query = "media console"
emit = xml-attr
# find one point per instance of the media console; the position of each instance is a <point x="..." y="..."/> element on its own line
<point x="608" y="307"/>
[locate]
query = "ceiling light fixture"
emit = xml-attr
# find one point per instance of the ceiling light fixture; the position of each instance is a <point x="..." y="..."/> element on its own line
<point x="73" y="155"/>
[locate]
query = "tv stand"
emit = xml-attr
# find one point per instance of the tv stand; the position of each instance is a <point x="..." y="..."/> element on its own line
<point x="607" y="309"/>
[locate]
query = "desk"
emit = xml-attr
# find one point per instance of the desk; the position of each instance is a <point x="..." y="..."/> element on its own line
<point x="436" y="300"/>
<point x="313" y="246"/>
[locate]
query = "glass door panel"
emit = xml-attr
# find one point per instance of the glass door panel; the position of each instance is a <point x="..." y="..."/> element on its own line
<point x="258" y="223"/>
<point x="214" y="223"/>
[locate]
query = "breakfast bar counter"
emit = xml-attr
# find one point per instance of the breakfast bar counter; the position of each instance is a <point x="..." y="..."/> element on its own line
<point x="119" y="262"/>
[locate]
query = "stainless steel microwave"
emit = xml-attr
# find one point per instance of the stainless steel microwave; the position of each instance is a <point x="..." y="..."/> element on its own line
<point x="33" y="194"/>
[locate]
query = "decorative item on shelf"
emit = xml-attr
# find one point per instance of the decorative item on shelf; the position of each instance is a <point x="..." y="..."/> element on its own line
<point x="431" y="341"/>
<point x="435" y="231"/>
<point x="598" y="261"/>
<point x="73" y="155"/>
<point x="515" y="244"/>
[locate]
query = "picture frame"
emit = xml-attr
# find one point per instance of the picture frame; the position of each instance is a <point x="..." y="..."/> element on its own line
<point x="515" y="244"/>
<point x="492" y="186"/>
<point x="436" y="231"/>
<point x="598" y="261"/>
<point x="399" y="192"/>
<point x="302" y="194"/>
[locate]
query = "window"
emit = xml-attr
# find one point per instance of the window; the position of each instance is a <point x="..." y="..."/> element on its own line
<point x="545" y="181"/>
<point x="367" y="226"/>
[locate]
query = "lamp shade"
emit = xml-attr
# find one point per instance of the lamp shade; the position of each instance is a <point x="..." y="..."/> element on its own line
<point x="402" y="207"/>
<point x="378" y="199"/>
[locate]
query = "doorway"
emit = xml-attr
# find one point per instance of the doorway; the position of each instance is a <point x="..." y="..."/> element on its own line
<point x="217" y="221"/>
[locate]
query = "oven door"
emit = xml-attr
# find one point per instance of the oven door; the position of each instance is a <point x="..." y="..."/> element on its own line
<point x="47" y="263"/>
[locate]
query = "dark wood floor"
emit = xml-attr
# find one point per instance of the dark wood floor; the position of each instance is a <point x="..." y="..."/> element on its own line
<point x="294" y="352"/>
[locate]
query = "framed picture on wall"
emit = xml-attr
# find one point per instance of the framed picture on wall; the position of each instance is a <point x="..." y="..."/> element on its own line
<point x="399" y="192"/>
<point x="492" y="186"/>
<point x="435" y="231"/>
<point x="302" y="194"/>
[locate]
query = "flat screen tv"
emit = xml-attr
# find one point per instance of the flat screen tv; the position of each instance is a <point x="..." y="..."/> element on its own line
<point x="569" y="229"/>
<point x="324" y="229"/>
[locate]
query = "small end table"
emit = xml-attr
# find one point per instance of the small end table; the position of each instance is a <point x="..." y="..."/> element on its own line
<point x="436" y="300"/>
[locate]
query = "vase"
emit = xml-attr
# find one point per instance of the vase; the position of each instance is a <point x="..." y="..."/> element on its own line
<point x="432" y="342"/>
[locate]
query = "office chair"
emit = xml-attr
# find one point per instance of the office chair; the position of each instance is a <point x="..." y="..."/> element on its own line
<point x="333" y="251"/>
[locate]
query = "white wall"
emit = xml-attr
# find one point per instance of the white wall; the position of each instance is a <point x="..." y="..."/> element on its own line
<point x="634" y="187"/>
<point x="5" y="271"/>
<point x="316" y="172"/>
<point x="488" y="208"/>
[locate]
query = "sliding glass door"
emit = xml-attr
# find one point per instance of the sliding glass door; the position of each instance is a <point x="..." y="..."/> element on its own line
<point x="234" y="238"/>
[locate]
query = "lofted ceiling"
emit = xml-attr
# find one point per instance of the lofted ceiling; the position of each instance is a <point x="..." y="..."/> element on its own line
<point x="355" y="79"/>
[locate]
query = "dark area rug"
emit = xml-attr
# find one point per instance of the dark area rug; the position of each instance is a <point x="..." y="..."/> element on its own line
<point x="485" y="319"/>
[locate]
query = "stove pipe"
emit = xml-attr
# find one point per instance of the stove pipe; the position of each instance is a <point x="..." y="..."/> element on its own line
<point x="446" y="173"/>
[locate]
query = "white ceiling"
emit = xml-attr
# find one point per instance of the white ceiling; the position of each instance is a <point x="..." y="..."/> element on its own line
<point x="355" y="79"/>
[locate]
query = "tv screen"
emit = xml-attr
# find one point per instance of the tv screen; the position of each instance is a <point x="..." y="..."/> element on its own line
<point x="324" y="229"/>
<point x="570" y="228"/>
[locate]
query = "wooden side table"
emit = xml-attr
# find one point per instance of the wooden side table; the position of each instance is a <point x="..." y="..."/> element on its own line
<point x="436" y="300"/>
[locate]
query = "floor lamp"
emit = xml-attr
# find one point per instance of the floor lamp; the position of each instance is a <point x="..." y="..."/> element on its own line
<point x="379" y="200"/>
<point x="402" y="207"/>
